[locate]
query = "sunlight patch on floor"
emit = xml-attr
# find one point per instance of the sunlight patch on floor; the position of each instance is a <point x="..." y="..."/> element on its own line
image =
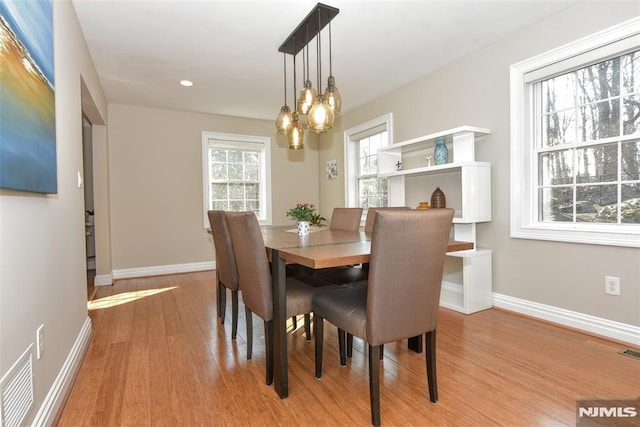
<point x="123" y="298"/>
<point x="300" y="324"/>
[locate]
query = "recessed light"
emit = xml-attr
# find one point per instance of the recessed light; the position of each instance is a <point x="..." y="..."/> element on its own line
<point x="186" y="83"/>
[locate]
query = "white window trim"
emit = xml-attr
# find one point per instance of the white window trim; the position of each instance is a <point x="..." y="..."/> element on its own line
<point x="265" y="191"/>
<point x="351" y="156"/>
<point x="523" y="223"/>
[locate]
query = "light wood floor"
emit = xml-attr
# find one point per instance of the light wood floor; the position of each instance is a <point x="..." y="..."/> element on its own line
<point x="159" y="357"/>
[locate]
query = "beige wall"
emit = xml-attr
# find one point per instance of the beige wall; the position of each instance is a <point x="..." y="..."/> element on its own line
<point x="156" y="182"/>
<point x="42" y="256"/>
<point x="475" y="91"/>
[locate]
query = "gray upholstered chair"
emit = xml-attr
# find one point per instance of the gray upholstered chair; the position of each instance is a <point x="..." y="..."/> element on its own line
<point x="345" y="219"/>
<point x="402" y="297"/>
<point x="353" y="276"/>
<point x="254" y="275"/>
<point x="226" y="271"/>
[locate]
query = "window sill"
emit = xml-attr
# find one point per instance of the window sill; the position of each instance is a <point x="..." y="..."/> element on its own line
<point x="622" y="236"/>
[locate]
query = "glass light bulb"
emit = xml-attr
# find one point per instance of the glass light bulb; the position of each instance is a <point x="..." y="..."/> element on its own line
<point x="295" y="134"/>
<point x="307" y="95"/>
<point x="321" y="115"/>
<point x="333" y="95"/>
<point x="283" y="121"/>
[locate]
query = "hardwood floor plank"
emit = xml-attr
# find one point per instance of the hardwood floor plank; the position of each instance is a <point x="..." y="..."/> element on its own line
<point x="160" y="357"/>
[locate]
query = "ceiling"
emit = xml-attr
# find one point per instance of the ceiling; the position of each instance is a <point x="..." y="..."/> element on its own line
<point x="229" y="49"/>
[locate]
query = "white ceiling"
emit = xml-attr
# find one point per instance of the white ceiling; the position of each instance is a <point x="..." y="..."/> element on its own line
<point x="229" y="49"/>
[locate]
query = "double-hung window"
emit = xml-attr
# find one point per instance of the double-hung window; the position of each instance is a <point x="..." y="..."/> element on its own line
<point x="236" y="175"/>
<point x="575" y="141"/>
<point x="364" y="188"/>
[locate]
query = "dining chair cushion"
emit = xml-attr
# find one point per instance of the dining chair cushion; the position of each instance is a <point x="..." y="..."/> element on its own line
<point x="300" y="296"/>
<point x="347" y="309"/>
<point x="346" y="276"/>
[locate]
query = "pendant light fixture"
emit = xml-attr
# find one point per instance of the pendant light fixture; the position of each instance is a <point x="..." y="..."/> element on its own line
<point x="295" y="132"/>
<point x="283" y="121"/>
<point x="319" y="114"/>
<point x="307" y="93"/>
<point x="332" y="94"/>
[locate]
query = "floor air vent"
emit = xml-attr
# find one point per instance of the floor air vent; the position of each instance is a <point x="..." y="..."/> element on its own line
<point x="630" y="353"/>
<point x="17" y="391"/>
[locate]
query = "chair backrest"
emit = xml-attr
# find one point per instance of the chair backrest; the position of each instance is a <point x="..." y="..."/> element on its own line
<point x="346" y="219"/>
<point x="408" y="250"/>
<point x="253" y="265"/>
<point x="226" y="268"/>
<point x="371" y="216"/>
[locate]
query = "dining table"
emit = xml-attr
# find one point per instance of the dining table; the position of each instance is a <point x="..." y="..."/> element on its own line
<point x="322" y="248"/>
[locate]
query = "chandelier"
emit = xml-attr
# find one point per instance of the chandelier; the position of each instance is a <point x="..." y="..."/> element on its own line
<point x="313" y="109"/>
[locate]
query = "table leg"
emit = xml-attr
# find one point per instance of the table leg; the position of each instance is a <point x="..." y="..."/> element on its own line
<point x="279" y="283"/>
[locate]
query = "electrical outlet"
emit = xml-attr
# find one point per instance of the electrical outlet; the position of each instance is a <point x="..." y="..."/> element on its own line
<point x="612" y="285"/>
<point x="40" y="341"/>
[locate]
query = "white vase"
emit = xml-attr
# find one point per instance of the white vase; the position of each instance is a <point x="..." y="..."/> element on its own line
<point x="303" y="228"/>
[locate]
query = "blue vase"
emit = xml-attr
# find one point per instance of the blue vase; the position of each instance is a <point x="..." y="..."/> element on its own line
<point x="440" y="153"/>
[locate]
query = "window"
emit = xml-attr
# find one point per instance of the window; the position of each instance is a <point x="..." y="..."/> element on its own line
<point x="364" y="188"/>
<point x="575" y="141"/>
<point x="236" y="174"/>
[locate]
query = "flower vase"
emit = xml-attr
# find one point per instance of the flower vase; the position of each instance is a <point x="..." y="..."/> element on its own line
<point x="441" y="153"/>
<point x="303" y="228"/>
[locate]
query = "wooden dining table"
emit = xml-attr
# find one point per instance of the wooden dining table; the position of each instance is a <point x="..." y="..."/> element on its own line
<point x="323" y="248"/>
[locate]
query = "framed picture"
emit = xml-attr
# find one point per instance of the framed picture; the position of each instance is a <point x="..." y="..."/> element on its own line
<point x="27" y="104"/>
<point x="332" y="169"/>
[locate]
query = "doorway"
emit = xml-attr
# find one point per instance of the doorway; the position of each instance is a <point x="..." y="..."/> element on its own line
<point x="89" y="223"/>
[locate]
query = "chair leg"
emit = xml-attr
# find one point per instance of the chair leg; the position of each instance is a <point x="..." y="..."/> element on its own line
<point x="294" y="319"/>
<point x="430" y="338"/>
<point x="341" y="345"/>
<point x="249" y="318"/>
<point x="268" y="344"/>
<point x="381" y="351"/>
<point x="318" y="326"/>
<point x="349" y="346"/>
<point x="218" y="299"/>
<point x="234" y="314"/>
<point x="374" y="383"/>
<point x="307" y="326"/>
<point x="222" y="302"/>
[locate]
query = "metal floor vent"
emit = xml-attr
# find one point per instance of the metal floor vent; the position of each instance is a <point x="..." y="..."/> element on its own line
<point x="631" y="353"/>
<point x="17" y="391"/>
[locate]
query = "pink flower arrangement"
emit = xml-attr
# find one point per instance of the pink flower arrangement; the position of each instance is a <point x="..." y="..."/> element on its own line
<point x="302" y="212"/>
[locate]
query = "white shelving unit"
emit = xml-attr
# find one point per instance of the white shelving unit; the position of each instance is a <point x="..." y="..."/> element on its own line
<point x="467" y="280"/>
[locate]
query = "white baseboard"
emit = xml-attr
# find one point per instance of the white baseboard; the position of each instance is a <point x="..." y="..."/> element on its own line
<point x="596" y="325"/>
<point x="158" y="270"/>
<point x="55" y="399"/>
<point x="103" y="280"/>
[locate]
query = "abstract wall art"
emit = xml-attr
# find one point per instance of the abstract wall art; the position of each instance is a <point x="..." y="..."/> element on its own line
<point x="27" y="97"/>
